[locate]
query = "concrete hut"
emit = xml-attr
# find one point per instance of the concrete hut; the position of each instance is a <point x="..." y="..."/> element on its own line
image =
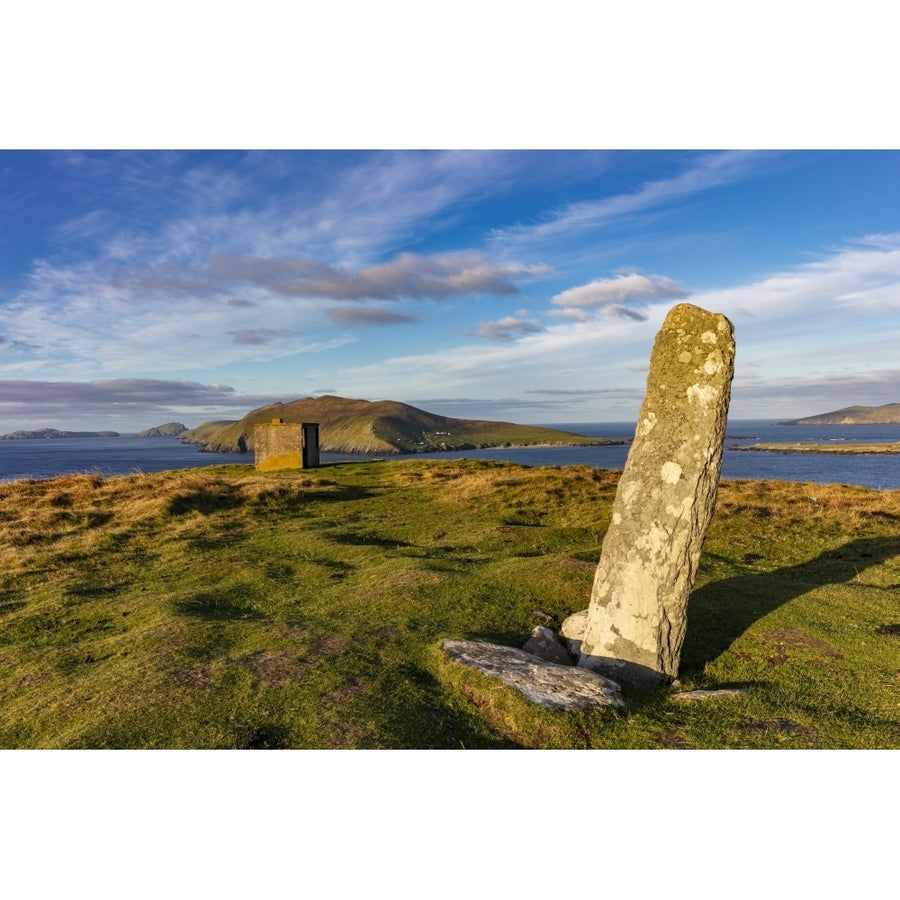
<point x="283" y="445"/>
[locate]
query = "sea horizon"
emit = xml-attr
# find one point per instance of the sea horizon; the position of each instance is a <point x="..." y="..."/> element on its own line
<point x="42" y="458"/>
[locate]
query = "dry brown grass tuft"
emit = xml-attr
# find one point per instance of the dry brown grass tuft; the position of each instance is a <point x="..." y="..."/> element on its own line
<point x="474" y="482"/>
<point x="37" y="513"/>
<point x="788" y="501"/>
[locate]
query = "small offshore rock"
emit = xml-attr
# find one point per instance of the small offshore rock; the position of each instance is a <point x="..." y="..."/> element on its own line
<point x="545" y="683"/>
<point x="544" y="644"/>
<point x="721" y="694"/>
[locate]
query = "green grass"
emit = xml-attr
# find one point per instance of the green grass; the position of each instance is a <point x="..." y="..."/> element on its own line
<point x="224" y="608"/>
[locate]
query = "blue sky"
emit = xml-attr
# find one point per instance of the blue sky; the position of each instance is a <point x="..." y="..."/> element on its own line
<point x="138" y="287"/>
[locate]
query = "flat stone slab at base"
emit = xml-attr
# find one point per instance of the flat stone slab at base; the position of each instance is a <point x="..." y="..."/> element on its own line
<point x="688" y="696"/>
<point x="545" y="683"/>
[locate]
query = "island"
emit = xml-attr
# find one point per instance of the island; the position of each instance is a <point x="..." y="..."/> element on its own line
<point x="889" y="414"/>
<point x="52" y="433"/>
<point x="379" y="427"/>
<point x="170" y="429"/>
<point x="844" y="449"/>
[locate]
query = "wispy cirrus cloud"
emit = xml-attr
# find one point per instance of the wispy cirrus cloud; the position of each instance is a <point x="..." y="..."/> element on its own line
<point x="7" y="345"/>
<point x="169" y="257"/>
<point x="344" y="208"/>
<point x="109" y="402"/>
<point x="153" y="314"/>
<point x="704" y="172"/>
<point x="859" y="280"/>
<point x="356" y="207"/>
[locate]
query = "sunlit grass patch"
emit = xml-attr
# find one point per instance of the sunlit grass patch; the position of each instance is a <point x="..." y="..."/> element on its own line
<point x="229" y="608"/>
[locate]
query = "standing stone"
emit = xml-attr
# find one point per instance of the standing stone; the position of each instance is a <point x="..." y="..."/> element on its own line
<point x="664" y="502"/>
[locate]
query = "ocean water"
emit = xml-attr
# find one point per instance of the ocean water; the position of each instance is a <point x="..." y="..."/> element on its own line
<point x="124" y="455"/>
<point x="129" y="454"/>
<point x="873" y="470"/>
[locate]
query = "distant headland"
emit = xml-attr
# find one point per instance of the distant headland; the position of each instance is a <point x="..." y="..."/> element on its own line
<point x="170" y="429"/>
<point x="52" y="433"/>
<point x="889" y="414"/>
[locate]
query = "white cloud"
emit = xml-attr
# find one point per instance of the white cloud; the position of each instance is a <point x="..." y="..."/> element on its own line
<point x="593" y="354"/>
<point x="121" y="403"/>
<point x="352" y="316"/>
<point x="617" y="296"/>
<point x="823" y="333"/>
<point x="852" y="283"/>
<point x="409" y="275"/>
<point x="508" y="327"/>
<point x="112" y="390"/>
<point x="788" y="352"/>
<point x="100" y="317"/>
<point x="763" y="396"/>
<point x="226" y="277"/>
<point x="254" y="336"/>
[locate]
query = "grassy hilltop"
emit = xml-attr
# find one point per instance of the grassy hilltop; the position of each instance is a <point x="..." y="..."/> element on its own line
<point x="382" y="427"/>
<point x="228" y="608"/>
